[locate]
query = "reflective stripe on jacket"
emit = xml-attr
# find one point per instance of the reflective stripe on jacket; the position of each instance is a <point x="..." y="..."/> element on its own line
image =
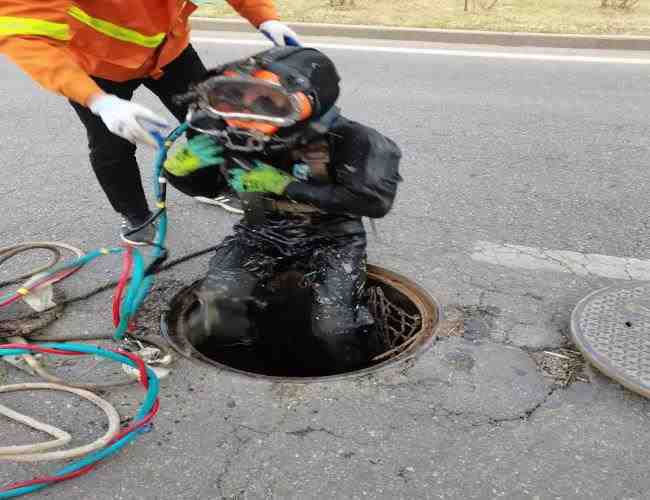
<point x="60" y="42"/>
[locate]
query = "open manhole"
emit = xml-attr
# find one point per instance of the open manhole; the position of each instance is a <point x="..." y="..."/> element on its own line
<point x="405" y="315"/>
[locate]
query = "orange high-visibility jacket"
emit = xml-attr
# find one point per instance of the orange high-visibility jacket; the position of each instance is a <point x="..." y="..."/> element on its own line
<point x="60" y="42"/>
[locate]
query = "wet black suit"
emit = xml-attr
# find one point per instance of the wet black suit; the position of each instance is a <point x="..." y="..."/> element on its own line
<point x="328" y="248"/>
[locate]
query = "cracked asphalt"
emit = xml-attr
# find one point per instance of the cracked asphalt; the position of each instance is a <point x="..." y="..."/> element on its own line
<point x="532" y="153"/>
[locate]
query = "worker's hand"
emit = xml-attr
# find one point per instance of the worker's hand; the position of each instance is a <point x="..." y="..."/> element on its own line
<point x="127" y="119"/>
<point x="199" y="152"/>
<point x="262" y="179"/>
<point x="279" y="33"/>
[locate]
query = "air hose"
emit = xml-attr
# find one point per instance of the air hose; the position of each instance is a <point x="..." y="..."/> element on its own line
<point x="37" y="452"/>
<point x="54" y="247"/>
<point x="139" y="277"/>
<point x="145" y="414"/>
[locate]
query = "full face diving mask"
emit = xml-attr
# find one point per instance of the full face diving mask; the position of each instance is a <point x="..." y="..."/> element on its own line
<point x="266" y="101"/>
<point x="253" y="107"/>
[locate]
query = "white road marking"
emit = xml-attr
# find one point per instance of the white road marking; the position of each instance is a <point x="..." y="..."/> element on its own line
<point x="564" y="261"/>
<point x="440" y="52"/>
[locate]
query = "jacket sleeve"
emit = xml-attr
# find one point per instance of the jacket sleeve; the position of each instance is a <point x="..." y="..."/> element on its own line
<point x="256" y="11"/>
<point x="33" y="34"/>
<point x="365" y="167"/>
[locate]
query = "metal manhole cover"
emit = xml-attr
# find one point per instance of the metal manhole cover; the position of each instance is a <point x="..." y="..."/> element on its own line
<point x="612" y="329"/>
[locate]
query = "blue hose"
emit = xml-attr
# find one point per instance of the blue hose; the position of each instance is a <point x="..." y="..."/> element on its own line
<point x="140" y="285"/>
<point x="78" y="262"/>
<point x="145" y="408"/>
<point x="126" y="310"/>
<point x="137" y="291"/>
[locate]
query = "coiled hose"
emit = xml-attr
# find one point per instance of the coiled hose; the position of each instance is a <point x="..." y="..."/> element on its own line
<point x="140" y="280"/>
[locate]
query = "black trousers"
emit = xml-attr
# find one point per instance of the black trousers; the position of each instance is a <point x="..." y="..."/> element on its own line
<point x="325" y="327"/>
<point x="113" y="158"/>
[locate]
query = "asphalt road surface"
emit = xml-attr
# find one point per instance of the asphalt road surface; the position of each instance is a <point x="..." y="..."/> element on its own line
<point x="546" y="150"/>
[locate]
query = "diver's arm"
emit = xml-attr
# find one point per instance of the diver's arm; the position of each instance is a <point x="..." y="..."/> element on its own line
<point x="365" y="166"/>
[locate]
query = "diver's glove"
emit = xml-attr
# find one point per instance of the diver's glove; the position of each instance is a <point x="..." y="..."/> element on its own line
<point x="199" y="152"/>
<point x="262" y="179"/>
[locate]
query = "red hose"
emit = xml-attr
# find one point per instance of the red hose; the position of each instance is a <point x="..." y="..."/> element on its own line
<point x="49" y="479"/>
<point x="11" y="300"/>
<point x="85" y="470"/>
<point x="46" y="350"/>
<point x="142" y="368"/>
<point x="127" y="264"/>
<point x="144" y="380"/>
<point x="48" y="280"/>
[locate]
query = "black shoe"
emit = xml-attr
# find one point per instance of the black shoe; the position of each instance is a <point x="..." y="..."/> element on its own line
<point x="140" y="237"/>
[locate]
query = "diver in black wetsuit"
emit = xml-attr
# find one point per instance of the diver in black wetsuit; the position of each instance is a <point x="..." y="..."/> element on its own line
<point x="306" y="176"/>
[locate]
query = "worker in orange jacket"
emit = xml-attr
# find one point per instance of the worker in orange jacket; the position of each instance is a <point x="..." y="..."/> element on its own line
<point x="97" y="53"/>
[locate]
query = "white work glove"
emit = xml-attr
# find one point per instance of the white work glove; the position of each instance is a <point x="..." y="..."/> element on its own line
<point x="279" y="33"/>
<point x="127" y="119"/>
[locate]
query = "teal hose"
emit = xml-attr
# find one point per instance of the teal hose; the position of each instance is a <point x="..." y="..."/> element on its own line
<point x="127" y="310"/>
<point x="66" y="265"/>
<point x="145" y="408"/>
<point x="138" y="288"/>
<point x="140" y="285"/>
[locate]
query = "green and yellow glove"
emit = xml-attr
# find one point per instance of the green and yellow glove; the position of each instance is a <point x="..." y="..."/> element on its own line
<point x="262" y="179"/>
<point x="199" y="152"/>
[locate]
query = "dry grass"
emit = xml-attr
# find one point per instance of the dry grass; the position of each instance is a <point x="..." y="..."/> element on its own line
<point x="563" y="366"/>
<point x="546" y="16"/>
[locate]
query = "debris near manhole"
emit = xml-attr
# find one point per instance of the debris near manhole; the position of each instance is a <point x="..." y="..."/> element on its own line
<point x="450" y="328"/>
<point x="20" y="320"/>
<point x="148" y="319"/>
<point x="564" y="366"/>
<point x="472" y="322"/>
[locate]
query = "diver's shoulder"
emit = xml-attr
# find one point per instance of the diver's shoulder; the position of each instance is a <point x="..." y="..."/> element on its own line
<point x="365" y="135"/>
<point x="343" y="123"/>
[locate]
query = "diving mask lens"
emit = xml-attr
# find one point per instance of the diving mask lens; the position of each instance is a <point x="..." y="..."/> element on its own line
<point x="238" y="98"/>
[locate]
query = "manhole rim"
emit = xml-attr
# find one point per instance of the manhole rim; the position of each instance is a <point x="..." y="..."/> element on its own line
<point x="596" y="359"/>
<point x="422" y="299"/>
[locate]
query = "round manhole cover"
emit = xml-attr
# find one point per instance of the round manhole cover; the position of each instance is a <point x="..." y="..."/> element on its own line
<point x="405" y="314"/>
<point x="612" y="329"/>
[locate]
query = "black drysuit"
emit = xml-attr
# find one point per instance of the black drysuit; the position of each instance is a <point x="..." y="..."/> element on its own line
<point x="326" y="248"/>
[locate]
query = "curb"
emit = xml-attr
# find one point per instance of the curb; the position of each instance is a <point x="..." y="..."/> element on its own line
<point x="606" y="42"/>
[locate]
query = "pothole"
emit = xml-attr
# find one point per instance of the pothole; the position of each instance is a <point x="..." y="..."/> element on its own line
<point x="405" y="315"/>
<point x="471" y="322"/>
<point x="562" y="366"/>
